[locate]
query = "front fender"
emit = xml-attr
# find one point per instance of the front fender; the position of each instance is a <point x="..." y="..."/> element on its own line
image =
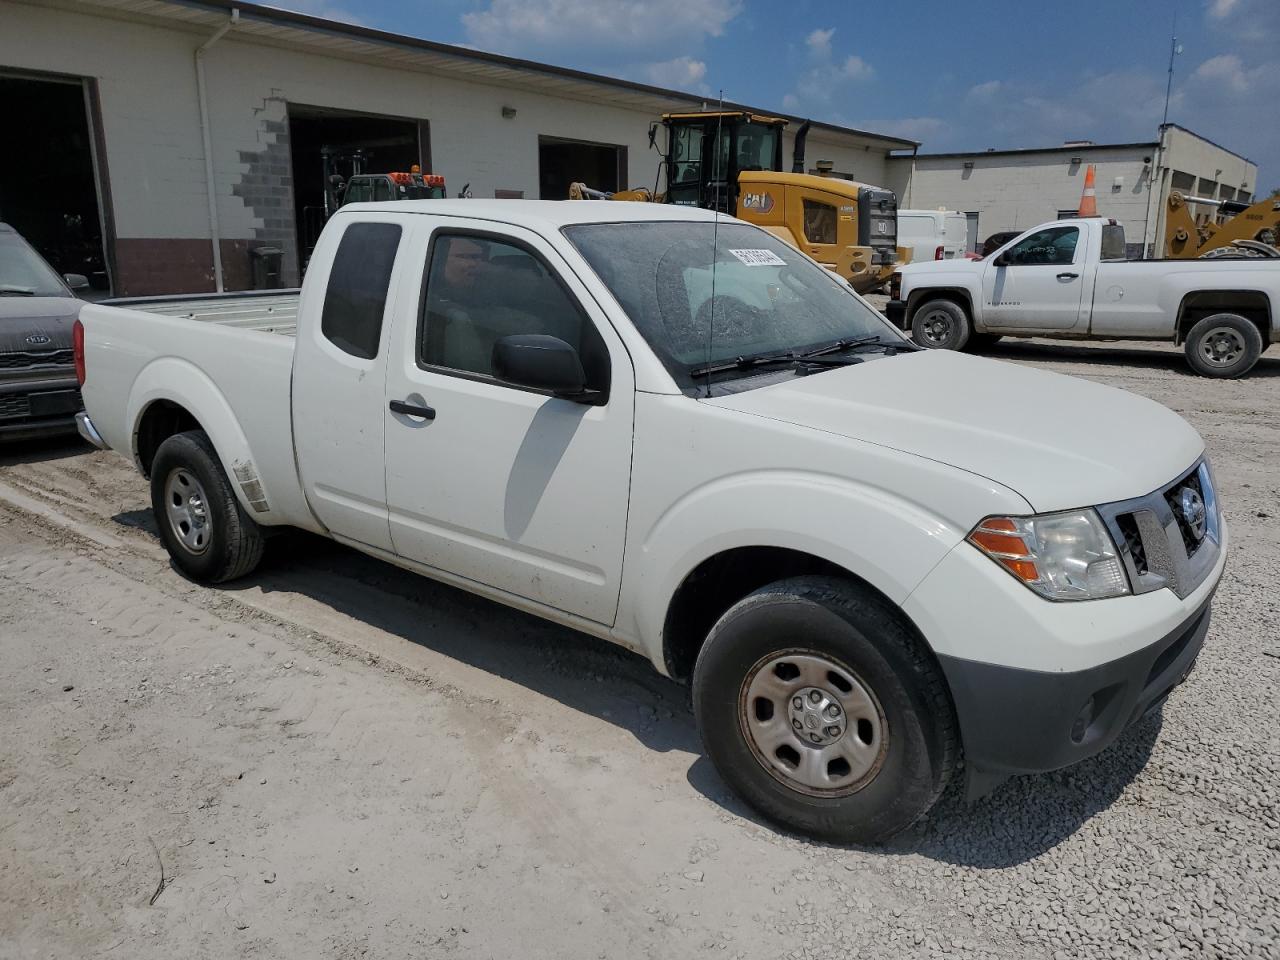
<point x="873" y="533"/>
<point x="181" y="382"/>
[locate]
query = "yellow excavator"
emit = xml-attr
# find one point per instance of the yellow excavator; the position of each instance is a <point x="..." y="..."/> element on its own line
<point x="1248" y="230"/>
<point x="732" y="161"/>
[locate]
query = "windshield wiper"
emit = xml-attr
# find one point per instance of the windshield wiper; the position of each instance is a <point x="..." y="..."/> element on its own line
<point x="6" y="290"/>
<point x="743" y="363"/>
<point x="839" y="346"/>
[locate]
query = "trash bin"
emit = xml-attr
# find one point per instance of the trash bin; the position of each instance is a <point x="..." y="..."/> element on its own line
<point x="265" y="263"/>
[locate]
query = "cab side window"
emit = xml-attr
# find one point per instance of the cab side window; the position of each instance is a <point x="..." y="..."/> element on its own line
<point x="1055" y="246"/>
<point x="381" y="189"/>
<point x="356" y="296"/>
<point x="819" y="222"/>
<point x="480" y="290"/>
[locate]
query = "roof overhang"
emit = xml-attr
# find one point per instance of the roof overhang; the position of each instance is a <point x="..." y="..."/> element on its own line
<point x="299" y="31"/>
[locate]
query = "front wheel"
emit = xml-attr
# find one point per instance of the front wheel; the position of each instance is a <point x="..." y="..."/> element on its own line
<point x="941" y="325"/>
<point x="207" y="533"/>
<point x="1223" y="345"/>
<point x="819" y="706"/>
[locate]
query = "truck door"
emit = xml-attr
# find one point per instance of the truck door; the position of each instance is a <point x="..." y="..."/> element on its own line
<point x="338" y="372"/>
<point x="1037" y="283"/>
<point x="503" y="485"/>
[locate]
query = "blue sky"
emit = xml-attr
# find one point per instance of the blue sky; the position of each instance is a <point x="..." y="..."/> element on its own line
<point x="953" y="74"/>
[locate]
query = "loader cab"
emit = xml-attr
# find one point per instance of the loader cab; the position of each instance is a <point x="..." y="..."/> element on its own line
<point x="707" y="151"/>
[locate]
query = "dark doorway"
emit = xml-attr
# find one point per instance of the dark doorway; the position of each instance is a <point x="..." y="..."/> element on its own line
<point x="327" y="143"/>
<point x="48" y="191"/>
<point x="601" y="166"/>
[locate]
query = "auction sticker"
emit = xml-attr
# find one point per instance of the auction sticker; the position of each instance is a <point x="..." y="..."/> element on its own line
<point x="759" y="258"/>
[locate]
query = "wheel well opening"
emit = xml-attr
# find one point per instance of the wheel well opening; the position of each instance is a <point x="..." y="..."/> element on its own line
<point x="1253" y="305"/>
<point x="718" y="583"/>
<point x="159" y="422"/>
<point x="959" y="297"/>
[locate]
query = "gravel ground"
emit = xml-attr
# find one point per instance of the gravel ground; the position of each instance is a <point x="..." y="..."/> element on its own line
<point x="338" y="759"/>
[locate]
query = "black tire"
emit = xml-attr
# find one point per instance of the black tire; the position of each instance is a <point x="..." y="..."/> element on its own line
<point x="982" y="341"/>
<point x="857" y="631"/>
<point x="1223" y="345"/>
<point x="941" y="325"/>
<point x="227" y="544"/>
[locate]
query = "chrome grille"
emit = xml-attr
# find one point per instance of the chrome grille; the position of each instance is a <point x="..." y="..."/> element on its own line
<point x="1157" y="543"/>
<point x="22" y="360"/>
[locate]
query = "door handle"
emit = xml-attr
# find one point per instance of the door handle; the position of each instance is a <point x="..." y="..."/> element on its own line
<point x="1067" y="276"/>
<point x="412" y="410"/>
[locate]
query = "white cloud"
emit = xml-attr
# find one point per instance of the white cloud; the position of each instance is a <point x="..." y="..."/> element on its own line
<point x="540" y="26"/>
<point x="856" y="68"/>
<point x="1219" y="9"/>
<point x="324" y="10"/>
<point x="912" y="128"/>
<point x="819" y="43"/>
<point x="1227" y="69"/>
<point x="790" y="102"/>
<point x="984" y="91"/>
<point x="682" y="73"/>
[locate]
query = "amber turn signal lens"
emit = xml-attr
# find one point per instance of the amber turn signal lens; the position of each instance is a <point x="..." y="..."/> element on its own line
<point x="1000" y="539"/>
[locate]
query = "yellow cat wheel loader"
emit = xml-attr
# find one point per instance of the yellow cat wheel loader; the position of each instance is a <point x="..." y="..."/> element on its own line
<point x="732" y="161"/>
<point x="1247" y="230"/>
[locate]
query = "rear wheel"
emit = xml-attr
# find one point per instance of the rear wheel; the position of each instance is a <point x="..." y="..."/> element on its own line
<point x="941" y="325"/>
<point x="1223" y="345"/>
<point x="202" y="525"/>
<point x="817" y="704"/>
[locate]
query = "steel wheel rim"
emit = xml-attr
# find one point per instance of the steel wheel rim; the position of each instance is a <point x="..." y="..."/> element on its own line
<point x="187" y="509"/>
<point x="823" y="732"/>
<point x="937" y="328"/>
<point x="1222" y="346"/>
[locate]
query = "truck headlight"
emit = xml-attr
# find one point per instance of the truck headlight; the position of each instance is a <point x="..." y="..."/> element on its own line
<point x="1061" y="556"/>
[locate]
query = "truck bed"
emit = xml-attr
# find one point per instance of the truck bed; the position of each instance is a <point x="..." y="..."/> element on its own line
<point x="274" y="311"/>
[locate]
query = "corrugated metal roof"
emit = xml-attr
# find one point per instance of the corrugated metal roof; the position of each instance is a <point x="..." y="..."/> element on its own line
<point x="333" y="38"/>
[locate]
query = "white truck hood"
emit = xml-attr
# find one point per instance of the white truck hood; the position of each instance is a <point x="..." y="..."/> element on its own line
<point x="1058" y="441"/>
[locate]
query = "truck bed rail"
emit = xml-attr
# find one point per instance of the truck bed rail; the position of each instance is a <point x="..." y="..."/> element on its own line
<point x="275" y="311"/>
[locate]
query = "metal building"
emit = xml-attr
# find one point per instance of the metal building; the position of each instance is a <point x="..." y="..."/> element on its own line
<point x="1015" y="189"/>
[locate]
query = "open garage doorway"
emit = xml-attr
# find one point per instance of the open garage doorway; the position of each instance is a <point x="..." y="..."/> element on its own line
<point x="327" y="143"/>
<point x="601" y="166"/>
<point x="48" y="187"/>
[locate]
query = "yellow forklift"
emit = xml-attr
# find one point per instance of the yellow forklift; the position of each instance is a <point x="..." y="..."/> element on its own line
<point x="732" y="161"/>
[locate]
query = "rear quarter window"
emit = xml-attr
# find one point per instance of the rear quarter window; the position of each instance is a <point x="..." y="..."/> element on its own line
<point x="356" y="296"/>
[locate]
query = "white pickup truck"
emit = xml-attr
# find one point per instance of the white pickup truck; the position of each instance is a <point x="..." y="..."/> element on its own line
<point x="869" y="560"/>
<point x="1069" y="279"/>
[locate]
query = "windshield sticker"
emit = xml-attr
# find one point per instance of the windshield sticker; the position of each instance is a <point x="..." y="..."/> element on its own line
<point x="759" y="258"/>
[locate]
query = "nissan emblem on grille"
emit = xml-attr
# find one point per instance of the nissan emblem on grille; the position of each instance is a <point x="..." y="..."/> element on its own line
<point x="37" y="339"/>
<point x="1193" y="511"/>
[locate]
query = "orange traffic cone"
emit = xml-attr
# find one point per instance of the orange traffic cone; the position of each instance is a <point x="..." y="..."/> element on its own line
<point x="1089" y="199"/>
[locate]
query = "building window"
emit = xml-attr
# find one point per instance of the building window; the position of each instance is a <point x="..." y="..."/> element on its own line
<point x="819" y="222"/>
<point x="357" y="293"/>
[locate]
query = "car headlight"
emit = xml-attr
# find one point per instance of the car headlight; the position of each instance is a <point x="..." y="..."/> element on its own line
<point x="1061" y="556"/>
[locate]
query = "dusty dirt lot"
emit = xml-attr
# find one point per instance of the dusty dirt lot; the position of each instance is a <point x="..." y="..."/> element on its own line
<point x="337" y="759"/>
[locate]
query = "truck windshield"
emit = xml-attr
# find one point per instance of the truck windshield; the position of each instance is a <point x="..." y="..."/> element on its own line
<point x="23" y="272"/>
<point x="768" y="299"/>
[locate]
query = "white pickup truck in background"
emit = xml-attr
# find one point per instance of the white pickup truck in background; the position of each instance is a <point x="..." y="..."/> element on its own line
<point x="1069" y="279"/>
<point x="869" y="560"/>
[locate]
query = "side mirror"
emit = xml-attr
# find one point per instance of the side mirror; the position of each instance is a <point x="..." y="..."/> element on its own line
<point x="543" y="363"/>
<point x="76" y="281"/>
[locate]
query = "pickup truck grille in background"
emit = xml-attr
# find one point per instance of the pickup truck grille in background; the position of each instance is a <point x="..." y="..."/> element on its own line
<point x="20" y="361"/>
<point x="1157" y="543"/>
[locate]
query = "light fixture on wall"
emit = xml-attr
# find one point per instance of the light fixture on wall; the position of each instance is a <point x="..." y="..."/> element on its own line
<point x="968" y="164"/>
<point x="1075" y="161"/>
<point x="508" y="113"/>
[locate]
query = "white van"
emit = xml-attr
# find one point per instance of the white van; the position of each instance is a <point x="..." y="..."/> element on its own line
<point x="933" y="234"/>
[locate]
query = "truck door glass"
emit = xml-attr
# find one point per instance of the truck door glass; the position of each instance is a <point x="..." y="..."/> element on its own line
<point x="357" y="192"/>
<point x="1054" y="246"/>
<point x="480" y="290"/>
<point x="819" y="222"/>
<point x="356" y="296"/>
<point x="381" y="189"/>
